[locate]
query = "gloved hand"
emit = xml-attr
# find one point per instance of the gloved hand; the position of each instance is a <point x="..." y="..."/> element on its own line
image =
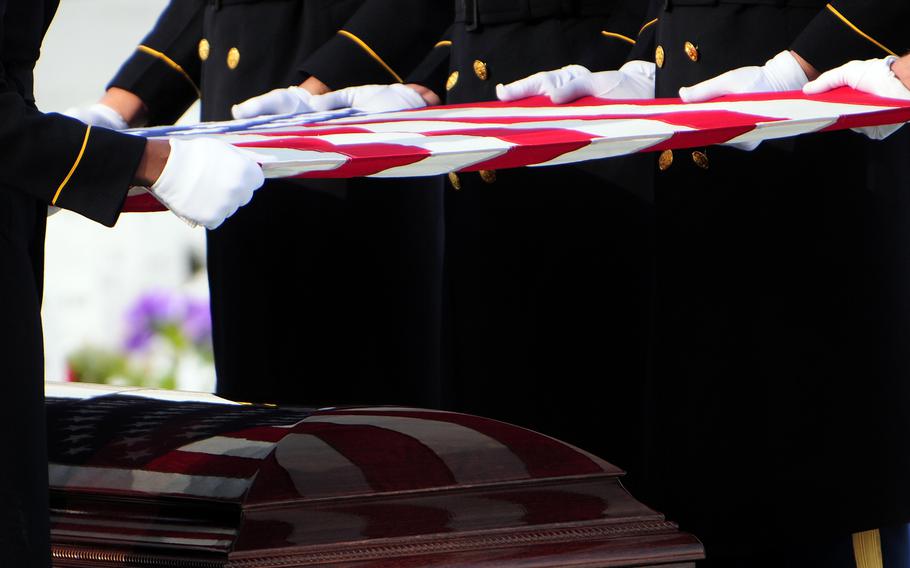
<point x="370" y="99"/>
<point x="291" y="100"/>
<point x="781" y="73"/>
<point x="98" y="115"/>
<point x="205" y="181"/>
<point x="872" y="76"/>
<point x="634" y="80"/>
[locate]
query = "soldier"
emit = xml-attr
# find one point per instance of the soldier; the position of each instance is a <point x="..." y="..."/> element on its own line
<point x="323" y="291"/>
<point x="780" y="353"/>
<point x="53" y="160"/>
<point x="547" y="269"/>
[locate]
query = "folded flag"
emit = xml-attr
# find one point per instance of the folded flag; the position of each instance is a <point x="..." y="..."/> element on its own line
<point x="532" y="132"/>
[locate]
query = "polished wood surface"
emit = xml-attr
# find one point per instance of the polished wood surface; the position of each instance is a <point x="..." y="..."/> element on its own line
<point x="197" y="484"/>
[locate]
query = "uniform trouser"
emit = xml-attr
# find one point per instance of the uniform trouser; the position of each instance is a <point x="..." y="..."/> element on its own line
<point x="330" y="296"/>
<point x="24" y="531"/>
<point x="548" y="275"/>
<point x="781" y="359"/>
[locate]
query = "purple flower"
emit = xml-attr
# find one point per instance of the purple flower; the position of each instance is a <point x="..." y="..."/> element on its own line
<point x="180" y="319"/>
<point x="197" y="321"/>
<point x="138" y="339"/>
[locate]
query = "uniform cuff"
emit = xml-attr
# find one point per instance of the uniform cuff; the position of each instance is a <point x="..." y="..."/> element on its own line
<point x="162" y="84"/>
<point x="433" y="71"/>
<point x="347" y="61"/>
<point x="832" y="39"/>
<point x="101" y="175"/>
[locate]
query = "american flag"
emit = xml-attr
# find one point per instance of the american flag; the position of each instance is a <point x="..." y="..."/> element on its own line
<point x="532" y="132"/>
<point x="141" y="448"/>
<point x="130" y="444"/>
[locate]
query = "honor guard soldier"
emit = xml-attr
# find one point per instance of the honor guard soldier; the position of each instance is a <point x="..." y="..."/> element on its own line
<point x="54" y="160"/>
<point x="547" y="269"/>
<point x="323" y="291"/>
<point x="780" y="400"/>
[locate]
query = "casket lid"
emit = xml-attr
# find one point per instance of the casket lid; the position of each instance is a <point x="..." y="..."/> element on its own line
<point x="154" y="444"/>
<point x="177" y="475"/>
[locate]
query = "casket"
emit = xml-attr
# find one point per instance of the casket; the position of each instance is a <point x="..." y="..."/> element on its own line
<point x="159" y="479"/>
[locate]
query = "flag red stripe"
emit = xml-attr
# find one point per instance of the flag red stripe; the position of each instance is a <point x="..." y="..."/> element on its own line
<point x="390" y="458"/>
<point x="209" y="465"/>
<point x="543" y="456"/>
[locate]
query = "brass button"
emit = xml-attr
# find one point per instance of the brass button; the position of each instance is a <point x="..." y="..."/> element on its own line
<point x="455" y="181"/>
<point x="691" y="51"/>
<point x="665" y="160"/>
<point x="233" y="58"/>
<point x="453" y="80"/>
<point x="659" y="56"/>
<point x="204" y="49"/>
<point x="488" y="176"/>
<point x="700" y="159"/>
<point x="481" y="70"/>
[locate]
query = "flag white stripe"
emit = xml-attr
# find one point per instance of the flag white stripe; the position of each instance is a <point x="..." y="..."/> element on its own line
<point x="150" y="482"/>
<point x="226" y="446"/>
<point x="316" y="468"/>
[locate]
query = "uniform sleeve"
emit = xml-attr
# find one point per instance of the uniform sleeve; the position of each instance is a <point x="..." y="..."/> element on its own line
<point x="62" y="161"/>
<point x="855" y="29"/>
<point x="433" y="71"/>
<point x="645" y="43"/>
<point x="165" y="69"/>
<point x="380" y="43"/>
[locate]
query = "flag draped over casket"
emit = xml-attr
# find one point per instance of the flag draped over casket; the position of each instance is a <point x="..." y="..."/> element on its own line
<point x="532" y="132"/>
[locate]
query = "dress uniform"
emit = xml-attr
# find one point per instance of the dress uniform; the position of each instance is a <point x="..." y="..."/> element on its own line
<point x="546" y="268"/>
<point x="45" y="159"/>
<point x="323" y="292"/>
<point x="780" y="401"/>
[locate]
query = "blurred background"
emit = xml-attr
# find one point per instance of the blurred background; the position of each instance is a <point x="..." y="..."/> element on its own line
<point x="127" y="305"/>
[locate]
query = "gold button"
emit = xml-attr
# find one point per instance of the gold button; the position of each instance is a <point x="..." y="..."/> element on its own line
<point x="233" y="58"/>
<point x="659" y="56"/>
<point x="665" y="160"/>
<point x="691" y="51"/>
<point x="204" y="49"/>
<point x="481" y="70"/>
<point x="453" y="80"/>
<point x="488" y="176"/>
<point x="700" y="159"/>
<point x="455" y="181"/>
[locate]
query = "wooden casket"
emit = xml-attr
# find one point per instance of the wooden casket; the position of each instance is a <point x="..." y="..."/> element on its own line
<point x="158" y="479"/>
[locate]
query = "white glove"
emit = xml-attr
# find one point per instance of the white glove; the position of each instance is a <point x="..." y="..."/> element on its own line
<point x="292" y="100"/>
<point x="370" y="99"/>
<point x="781" y="73"/>
<point x="98" y="115"/>
<point x="205" y="181"/>
<point x="634" y="80"/>
<point x="872" y="76"/>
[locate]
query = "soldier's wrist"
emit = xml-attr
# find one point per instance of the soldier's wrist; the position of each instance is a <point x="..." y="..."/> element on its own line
<point x="314" y="86"/>
<point x="810" y="71"/>
<point x="152" y="163"/>
<point x="430" y="97"/>
<point x="129" y="106"/>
